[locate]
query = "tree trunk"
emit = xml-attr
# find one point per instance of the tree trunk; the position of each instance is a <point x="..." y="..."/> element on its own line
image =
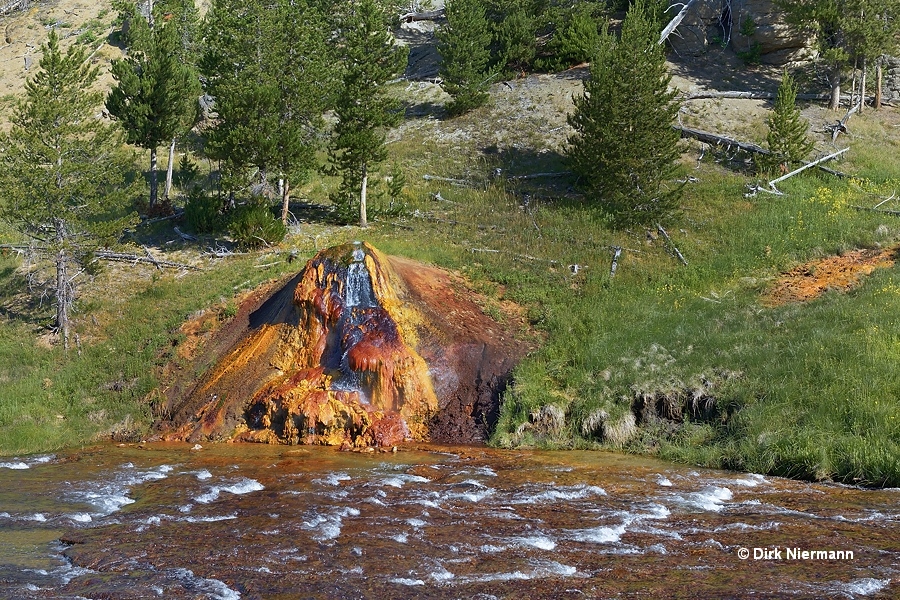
<point x="63" y="297"/>
<point x="169" y="169"/>
<point x="835" y="90"/>
<point x="285" y="199"/>
<point x="862" y="87"/>
<point x="878" y="83"/>
<point x="154" y="185"/>
<point x="363" y="221"/>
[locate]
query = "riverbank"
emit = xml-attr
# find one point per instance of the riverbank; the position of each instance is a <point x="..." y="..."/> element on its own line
<point x="691" y="363"/>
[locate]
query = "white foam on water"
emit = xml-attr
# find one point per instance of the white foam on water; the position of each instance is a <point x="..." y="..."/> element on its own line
<point x="657" y="511"/>
<point x="473" y="496"/>
<point x="416" y="522"/>
<point x="658" y="548"/>
<point x="866" y="586"/>
<point x="4" y="515"/>
<point x="441" y="574"/>
<point x="743" y="527"/>
<point x="541" y="542"/>
<point x="376" y="501"/>
<point x="328" y="526"/>
<point x="663" y="481"/>
<point x="81" y="517"/>
<point x="552" y="568"/>
<point x="18" y="466"/>
<point x="244" y="486"/>
<point x="111" y="496"/>
<point x="492" y="549"/>
<point x="562" y="493"/>
<point x="598" y="535"/>
<point x="514" y="576"/>
<point x="215" y="589"/>
<point x="400" y="538"/>
<point x="39" y="517"/>
<point x="405" y="581"/>
<point x="202" y="475"/>
<point x="399" y="480"/>
<point x="711" y="498"/>
<point x="333" y="479"/>
<point x="752" y="480"/>
<point x="212" y="519"/>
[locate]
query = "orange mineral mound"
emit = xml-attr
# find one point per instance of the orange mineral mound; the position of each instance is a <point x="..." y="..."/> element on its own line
<point x="811" y="280"/>
<point x="359" y="349"/>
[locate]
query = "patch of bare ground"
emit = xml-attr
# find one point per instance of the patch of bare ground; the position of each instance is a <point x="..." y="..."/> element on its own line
<point x="810" y="280"/>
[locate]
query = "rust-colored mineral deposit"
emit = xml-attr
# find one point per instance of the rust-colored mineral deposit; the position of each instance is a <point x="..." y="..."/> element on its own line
<point x="359" y="349"/>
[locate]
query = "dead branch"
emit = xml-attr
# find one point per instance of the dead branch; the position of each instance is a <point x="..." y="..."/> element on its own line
<point x="540" y="175"/>
<point x="153" y="260"/>
<point x="617" y="252"/>
<point x="841" y="126"/>
<point x="804" y="167"/>
<point x="671" y="245"/>
<point x="893" y="213"/>
<point x="185" y="236"/>
<point x="427" y="177"/>
<point x="675" y="22"/>
<point x="174" y="215"/>
<point x="136" y="258"/>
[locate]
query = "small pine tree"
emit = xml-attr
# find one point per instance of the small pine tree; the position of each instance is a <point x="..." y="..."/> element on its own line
<point x="787" y="129"/>
<point x="464" y="45"/>
<point x="62" y="171"/>
<point x="155" y="94"/>
<point x="363" y="108"/>
<point x="624" y="150"/>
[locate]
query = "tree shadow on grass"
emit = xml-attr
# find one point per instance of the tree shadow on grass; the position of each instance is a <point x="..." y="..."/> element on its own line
<point x="531" y="173"/>
<point x="17" y="302"/>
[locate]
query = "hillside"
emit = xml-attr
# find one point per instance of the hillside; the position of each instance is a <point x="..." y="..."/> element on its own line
<point x="691" y="362"/>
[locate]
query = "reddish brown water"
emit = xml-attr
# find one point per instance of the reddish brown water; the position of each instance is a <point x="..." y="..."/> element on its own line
<point x="251" y="521"/>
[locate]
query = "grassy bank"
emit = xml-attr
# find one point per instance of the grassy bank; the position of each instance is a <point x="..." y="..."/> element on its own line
<point x="687" y="362"/>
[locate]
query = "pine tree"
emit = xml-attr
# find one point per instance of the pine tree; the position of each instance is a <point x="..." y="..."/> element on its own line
<point x="464" y="45"/>
<point x="624" y="150"/>
<point x="363" y="109"/>
<point x="62" y="171"/>
<point x="270" y="70"/>
<point x="156" y="92"/>
<point x="787" y="129"/>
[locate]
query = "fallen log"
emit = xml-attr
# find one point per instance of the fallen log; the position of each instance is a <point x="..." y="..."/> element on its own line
<point x="712" y="138"/>
<point x="743" y="95"/>
<point x="893" y="213"/>
<point x="136" y="258"/>
<point x="428" y="15"/>
<point x="675" y="22"/>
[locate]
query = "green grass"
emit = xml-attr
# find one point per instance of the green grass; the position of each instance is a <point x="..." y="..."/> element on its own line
<point x="804" y="390"/>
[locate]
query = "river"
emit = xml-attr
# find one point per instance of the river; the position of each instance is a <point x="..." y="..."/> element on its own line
<point x="236" y="521"/>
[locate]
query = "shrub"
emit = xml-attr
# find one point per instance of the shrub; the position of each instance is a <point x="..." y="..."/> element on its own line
<point x="201" y="211"/>
<point x="254" y="225"/>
